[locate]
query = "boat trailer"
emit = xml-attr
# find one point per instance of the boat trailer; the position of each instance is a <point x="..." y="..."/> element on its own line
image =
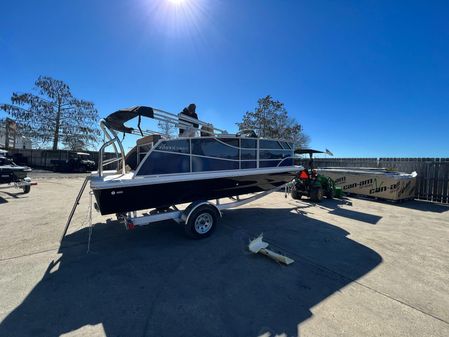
<point x="199" y="218"/>
<point x="24" y="184"/>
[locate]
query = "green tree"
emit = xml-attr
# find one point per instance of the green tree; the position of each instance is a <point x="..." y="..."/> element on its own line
<point x="271" y="120"/>
<point x="52" y="115"/>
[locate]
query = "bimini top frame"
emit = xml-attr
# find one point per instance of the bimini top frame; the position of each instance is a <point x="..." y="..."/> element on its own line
<point x="115" y="122"/>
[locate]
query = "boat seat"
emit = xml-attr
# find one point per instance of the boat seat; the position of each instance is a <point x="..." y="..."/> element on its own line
<point x="207" y="130"/>
<point x="143" y="145"/>
<point x="247" y="133"/>
<point x="148" y="139"/>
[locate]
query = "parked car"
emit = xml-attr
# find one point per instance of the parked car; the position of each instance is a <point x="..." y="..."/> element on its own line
<point x="77" y="162"/>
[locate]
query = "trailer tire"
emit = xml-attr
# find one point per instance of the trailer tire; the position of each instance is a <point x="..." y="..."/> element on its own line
<point x="26" y="189"/>
<point x="330" y="189"/>
<point x="330" y="193"/>
<point x="316" y="194"/>
<point x="202" y="222"/>
<point x="296" y="194"/>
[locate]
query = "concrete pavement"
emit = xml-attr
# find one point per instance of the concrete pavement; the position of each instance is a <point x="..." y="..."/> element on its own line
<point x="370" y="269"/>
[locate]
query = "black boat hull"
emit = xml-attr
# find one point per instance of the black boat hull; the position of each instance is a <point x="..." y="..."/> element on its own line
<point x="133" y="198"/>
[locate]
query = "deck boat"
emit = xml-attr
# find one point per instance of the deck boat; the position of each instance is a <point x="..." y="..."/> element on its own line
<point x="160" y="172"/>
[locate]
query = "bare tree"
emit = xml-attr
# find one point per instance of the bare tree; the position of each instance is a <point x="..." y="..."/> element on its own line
<point x="271" y="120"/>
<point x="53" y="115"/>
<point x="166" y="128"/>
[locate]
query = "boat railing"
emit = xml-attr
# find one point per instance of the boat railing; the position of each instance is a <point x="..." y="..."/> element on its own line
<point x="185" y="121"/>
<point x="113" y="140"/>
<point x="180" y="121"/>
<point x="177" y="121"/>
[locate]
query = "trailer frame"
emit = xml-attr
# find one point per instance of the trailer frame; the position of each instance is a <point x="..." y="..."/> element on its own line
<point x="200" y="218"/>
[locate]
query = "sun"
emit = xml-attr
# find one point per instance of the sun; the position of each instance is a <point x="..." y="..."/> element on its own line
<point x="177" y="2"/>
<point x="176" y="18"/>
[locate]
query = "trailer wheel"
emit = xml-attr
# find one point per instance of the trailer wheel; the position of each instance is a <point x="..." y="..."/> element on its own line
<point x="296" y="194"/>
<point x="330" y="193"/>
<point x="26" y="189"/>
<point x="202" y="222"/>
<point x="330" y="189"/>
<point x="316" y="194"/>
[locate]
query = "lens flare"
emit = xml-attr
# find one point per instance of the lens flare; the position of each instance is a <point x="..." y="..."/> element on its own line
<point x="177" y="2"/>
<point x="178" y="21"/>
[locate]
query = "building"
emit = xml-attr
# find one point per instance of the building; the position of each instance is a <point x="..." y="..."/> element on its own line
<point x="9" y="138"/>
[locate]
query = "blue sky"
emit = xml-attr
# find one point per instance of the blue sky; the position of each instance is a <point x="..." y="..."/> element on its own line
<point x="364" y="78"/>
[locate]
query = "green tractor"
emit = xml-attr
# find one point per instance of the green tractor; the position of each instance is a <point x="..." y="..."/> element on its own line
<point x="311" y="184"/>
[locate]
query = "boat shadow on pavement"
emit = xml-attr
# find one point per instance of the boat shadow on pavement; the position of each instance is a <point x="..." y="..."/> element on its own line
<point x="154" y="282"/>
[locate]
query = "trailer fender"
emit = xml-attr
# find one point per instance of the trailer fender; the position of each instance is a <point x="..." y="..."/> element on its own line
<point x="194" y="205"/>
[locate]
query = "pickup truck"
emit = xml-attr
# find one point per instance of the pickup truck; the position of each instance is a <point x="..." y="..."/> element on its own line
<point x="77" y="162"/>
